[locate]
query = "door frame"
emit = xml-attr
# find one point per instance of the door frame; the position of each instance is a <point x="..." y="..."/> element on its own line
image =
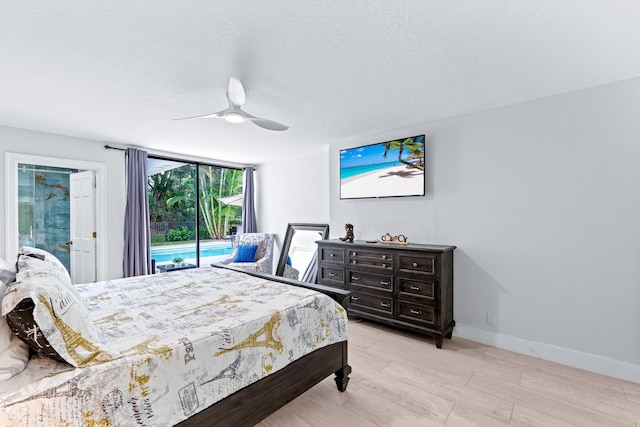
<point x="11" y="192"/>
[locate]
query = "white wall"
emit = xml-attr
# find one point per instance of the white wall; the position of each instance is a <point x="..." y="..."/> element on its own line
<point x="293" y="189"/>
<point x="66" y="147"/>
<point x="542" y="200"/>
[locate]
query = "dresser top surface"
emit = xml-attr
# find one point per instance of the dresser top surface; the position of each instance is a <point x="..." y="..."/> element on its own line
<point x="369" y="244"/>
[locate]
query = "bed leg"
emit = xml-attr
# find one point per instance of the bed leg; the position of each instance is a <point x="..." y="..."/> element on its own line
<point x="342" y="377"/>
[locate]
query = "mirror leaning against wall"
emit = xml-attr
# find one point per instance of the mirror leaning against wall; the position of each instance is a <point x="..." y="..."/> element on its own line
<point x="298" y="259"/>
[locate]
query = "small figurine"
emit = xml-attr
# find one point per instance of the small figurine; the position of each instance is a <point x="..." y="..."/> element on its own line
<point x="388" y="238"/>
<point x="349" y="236"/>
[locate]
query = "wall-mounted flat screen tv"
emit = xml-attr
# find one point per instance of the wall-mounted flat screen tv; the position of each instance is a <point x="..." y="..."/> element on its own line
<point x="387" y="169"/>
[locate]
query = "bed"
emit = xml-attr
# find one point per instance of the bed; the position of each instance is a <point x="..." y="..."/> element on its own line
<point x="208" y="346"/>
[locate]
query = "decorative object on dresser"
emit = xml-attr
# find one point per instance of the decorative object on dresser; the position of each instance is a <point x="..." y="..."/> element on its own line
<point x="349" y="236"/>
<point x="400" y="239"/>
<point x="408" y="286"/>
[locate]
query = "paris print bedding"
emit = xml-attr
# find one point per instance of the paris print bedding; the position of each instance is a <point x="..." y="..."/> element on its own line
<point x="168" y="346"/>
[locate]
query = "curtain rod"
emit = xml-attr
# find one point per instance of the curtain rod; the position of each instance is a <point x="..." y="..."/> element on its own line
<point x="175" y="157"/>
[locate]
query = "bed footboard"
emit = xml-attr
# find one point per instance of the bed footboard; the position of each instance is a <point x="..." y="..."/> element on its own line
<point x="254" y="403"/>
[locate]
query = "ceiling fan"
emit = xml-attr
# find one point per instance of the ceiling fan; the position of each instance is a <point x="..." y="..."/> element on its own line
<point x="235" y="114"/>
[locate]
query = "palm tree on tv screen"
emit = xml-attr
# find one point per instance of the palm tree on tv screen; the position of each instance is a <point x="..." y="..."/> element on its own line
<point x="413" y="145"/>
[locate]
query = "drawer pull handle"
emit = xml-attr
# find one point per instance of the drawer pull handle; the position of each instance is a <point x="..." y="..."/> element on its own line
<point x="355" y="299"/>
<point x="332" y="274"/>
<point x="415" y="311"/>
<point x="382" y="282"/>
<point x="384" y="256"/>
<point x="415" y="264"/>
<point x="384" y="304"/>
<point x="384" y="265"/>
<point x="415" y="288"/>
<point x="354" y="262"/>
<point x="353" y="254"/>
<point x="331" y="255"/>
<point x="355" y="277"/>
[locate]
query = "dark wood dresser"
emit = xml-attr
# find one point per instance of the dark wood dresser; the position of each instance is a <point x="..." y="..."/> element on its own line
<point x="409" y="286"/>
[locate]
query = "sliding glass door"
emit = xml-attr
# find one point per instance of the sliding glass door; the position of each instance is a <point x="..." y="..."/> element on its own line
<point x="172" y="211"/>
<point x="191" y="214"/>
<point x="220" y="202"/>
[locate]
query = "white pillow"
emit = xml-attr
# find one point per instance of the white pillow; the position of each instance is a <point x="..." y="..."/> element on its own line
<point x="14" y="354"/>
<point x="44" y="309"/>
<point x="7" y="273"/>
<point x="36" y="257"/>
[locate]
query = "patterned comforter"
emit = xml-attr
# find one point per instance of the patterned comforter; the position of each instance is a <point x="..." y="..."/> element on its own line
<point x="177" y="343"/>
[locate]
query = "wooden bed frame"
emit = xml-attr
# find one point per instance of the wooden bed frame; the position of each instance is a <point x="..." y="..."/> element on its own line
<point x="257" y="401"/>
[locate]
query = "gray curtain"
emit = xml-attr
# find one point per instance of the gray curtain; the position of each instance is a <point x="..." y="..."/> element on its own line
<point x="137" y="240"/>
<point x="249" y="223"/>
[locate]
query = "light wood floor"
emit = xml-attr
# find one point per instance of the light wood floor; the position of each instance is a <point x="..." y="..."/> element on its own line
<point x="402" y="379"/>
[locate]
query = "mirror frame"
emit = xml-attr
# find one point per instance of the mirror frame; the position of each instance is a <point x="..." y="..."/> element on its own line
<point x="323" y="229"/>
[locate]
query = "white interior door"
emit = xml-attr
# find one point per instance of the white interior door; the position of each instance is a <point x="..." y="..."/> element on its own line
<point x="83" y="227"/>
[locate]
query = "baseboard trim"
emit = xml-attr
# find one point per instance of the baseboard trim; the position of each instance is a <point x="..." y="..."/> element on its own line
<point x="590" y="362"/>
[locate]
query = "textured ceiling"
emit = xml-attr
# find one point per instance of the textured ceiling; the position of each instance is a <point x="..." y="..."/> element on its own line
<point x="120" y="71"/>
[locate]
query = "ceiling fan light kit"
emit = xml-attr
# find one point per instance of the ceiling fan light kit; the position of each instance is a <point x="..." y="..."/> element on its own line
<point x="234" y="113"/>
<point x="233" y="117"/>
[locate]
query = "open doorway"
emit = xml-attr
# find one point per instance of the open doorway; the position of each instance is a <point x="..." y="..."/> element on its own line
<point x="44" y="213"/>
<point x="57" y="205"/>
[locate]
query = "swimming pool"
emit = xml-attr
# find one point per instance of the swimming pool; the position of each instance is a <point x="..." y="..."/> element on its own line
<point x="168" y="253"/>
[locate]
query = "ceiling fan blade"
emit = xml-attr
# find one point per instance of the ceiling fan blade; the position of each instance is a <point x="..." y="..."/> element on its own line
<point x="218" y="115"/>
<point x="234" y="114"/>
<point x="268" y="124"/>
<point x="235" y="93"/>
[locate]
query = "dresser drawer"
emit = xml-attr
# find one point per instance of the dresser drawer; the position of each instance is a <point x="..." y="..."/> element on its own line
<point x="332" y="255"/>
<point x="416" y="288"/>
<point x="371" y="303"/>
<point x="417" y="263"/>
<point x="371" y="258"/>
<point x="333" y="276"/>
<point x="415" y="312"/>
<point x="377" y="281"/>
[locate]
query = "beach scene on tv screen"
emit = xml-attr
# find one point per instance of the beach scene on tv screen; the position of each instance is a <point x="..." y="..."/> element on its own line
<point x="388" y="169"/>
